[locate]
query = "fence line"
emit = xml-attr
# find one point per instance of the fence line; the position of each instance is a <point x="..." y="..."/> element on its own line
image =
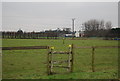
<point x="93" y="53"/>
<point x="97" y="46"/>
<point x="24" y="47"/>
<point x="46" y="47"/>
<point x="50" y="52"/>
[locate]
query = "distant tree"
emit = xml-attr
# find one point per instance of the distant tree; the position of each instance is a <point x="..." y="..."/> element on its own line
<point x="97" y="28"/>
<point x="91" y="27"/>
<point x="108" y="25"/>
<point x="102" y="24"/>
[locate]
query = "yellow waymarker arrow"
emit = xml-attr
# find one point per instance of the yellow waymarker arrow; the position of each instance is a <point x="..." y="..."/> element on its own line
<point x="52" y="47"/>
<point x="70" y="46"/>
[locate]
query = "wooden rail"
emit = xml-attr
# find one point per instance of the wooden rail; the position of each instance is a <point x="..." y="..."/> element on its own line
<point x="59" y="62"/>
<point x="60" y="52"/>
<point x="62" y="66"/>
<point x="24" y="47"/>
<point x="97" y="46"/>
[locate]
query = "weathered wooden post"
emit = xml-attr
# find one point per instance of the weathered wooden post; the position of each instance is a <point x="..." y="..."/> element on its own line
<point x="72" y="59"/>
<point x="48" y="61"/>
<point x="69" y="58"/>
<point x="51" y="60"/>
<point x="93" y="59"/>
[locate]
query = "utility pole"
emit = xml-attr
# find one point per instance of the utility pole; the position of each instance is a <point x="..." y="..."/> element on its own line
<point x="73" y="19"/>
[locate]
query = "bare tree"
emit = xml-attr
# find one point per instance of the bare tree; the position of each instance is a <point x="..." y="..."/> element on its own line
<point x="102" y="24"/>
<point x="97" y="28"/>
<point x="108" y="25"/>
<point x="92" y="24"/>
<point x="91" y="27"/>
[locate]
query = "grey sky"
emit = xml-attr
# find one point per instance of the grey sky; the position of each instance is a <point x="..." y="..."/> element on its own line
<point x="0" y="16"/>
<point x="38" y="16"/>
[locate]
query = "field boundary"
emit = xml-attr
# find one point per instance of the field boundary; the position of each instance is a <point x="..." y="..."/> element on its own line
<point x="24" y="47"/>
<point x="47" y="47"/>
<point x="93" y="53"/>
<point x="97" y="46"/>
<point x="49" y="62"/>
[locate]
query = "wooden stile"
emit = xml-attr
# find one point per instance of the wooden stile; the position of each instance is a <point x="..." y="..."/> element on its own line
<point x="51" y="62"/>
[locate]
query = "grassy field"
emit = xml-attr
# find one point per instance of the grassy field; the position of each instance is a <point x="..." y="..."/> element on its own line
<point x="31" y="64"/>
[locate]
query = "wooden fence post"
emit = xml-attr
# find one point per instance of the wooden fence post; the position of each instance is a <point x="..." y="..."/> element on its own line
<point x="93" y="59"/>
<point x="48" y="62"/>
<point x="69" y="58"/>
<point x="51" y="62"/>
<point x="72" y="59"/>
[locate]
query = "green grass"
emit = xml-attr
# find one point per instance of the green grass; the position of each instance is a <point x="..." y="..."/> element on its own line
<point x="31" y="64"/>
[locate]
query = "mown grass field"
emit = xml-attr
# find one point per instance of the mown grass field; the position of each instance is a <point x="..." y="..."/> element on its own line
<point x="31" y="64"/>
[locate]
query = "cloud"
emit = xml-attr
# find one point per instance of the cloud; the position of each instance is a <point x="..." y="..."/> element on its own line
<point x="55" y="15"/>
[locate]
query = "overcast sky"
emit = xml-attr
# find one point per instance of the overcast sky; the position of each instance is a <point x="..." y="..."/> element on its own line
<point x="39" y="16"/>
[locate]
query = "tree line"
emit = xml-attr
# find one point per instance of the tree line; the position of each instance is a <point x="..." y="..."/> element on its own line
<point x="34" y="35"/>
<point x="92" y="28"/>
<point x="98" y="28"/>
